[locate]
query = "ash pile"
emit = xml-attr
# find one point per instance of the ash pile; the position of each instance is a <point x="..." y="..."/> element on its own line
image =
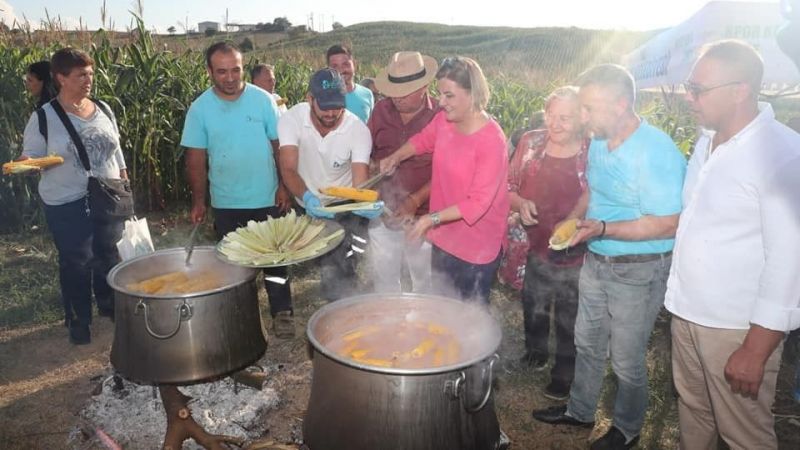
<point x="133" y="416"/>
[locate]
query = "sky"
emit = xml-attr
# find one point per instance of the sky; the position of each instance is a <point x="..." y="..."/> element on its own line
<point x="597" y="14"/>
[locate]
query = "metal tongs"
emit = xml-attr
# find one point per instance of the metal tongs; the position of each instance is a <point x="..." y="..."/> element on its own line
<point x="372" y="181"/>
<point x="190" y="245"/>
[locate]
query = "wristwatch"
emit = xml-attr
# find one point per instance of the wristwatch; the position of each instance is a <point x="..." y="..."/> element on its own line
<point x="435" y="219"/>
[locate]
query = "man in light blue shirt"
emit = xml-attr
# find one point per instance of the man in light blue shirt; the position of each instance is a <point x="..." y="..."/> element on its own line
<point x="232" y="128"/>
<point x="359" y="99"/>
<point x="635" y="174"/>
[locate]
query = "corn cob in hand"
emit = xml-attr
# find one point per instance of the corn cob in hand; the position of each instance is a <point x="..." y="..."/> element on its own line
<point x="31" y="164"/>
<point x="362" y="195"/>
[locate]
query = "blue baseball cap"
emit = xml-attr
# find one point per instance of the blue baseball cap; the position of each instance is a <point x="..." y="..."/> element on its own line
<point x="327" y="88"/>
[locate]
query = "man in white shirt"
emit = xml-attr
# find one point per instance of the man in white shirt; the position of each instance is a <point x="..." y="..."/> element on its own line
<point x="263" y="76"/>
<point x="734" y="288"/>
<point x="322" y="145"/>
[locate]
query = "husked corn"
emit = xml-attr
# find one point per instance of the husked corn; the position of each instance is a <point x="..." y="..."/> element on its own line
<point x="31" y="164"/>
<point x="363" y="195"/>
<point x="563" y="233"/>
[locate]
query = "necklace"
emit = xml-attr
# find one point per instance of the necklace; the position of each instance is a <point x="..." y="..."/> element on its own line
<point x="77" y="107"/>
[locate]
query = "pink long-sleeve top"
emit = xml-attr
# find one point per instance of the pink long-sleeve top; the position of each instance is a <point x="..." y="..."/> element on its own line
<point x="469" y="171"/>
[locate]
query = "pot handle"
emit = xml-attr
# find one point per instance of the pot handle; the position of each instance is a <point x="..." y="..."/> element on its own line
<point x="184" y="313"/>
<point x="487" y="381"/>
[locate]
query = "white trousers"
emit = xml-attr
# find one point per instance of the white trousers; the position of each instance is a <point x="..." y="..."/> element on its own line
<point x="387" y="252"/>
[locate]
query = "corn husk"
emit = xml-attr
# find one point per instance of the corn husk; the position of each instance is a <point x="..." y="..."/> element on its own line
<point x="276" y="241"/>
<point x="348" y="207"/>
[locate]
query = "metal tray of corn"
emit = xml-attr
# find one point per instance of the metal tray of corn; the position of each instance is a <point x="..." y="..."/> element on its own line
<point x="288" y="240"/>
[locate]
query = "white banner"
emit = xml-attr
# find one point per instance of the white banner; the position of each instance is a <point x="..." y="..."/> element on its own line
<point x="667" y="58"/>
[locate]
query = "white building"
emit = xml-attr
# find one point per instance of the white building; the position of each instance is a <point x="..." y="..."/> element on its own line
<point x="241" y="27"/>
<point x="203" y="26"/>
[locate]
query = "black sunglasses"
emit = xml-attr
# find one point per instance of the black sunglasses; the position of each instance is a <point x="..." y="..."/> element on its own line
<point x="451" y="61"/>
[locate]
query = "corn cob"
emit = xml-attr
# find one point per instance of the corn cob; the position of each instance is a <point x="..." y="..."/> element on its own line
<point x="31" y="164"/>
<point x="424" y="347"/>
<point x="563" y="233"/>
<point x="374" y="362"/>
<point x="364" y="195"/>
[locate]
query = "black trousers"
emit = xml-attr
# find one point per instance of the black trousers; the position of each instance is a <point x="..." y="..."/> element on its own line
<point x="338" y="268"/>
<point x="87" y="250"/>
<point x="453" y="277"/>
<point x="546" y="284"/>
<point x="227" y="220"/>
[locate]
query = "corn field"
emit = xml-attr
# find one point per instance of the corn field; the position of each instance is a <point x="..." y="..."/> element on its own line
<point x="150" y="86"/>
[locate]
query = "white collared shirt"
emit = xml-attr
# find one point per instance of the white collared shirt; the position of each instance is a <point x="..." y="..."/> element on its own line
<point x="736" y="260"/>
<point x="325" y="161"/>
<point x="281" y="106"/>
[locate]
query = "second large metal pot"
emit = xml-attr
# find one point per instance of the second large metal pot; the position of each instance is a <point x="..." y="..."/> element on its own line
<point x="359" y="407"/>
<point x="190" y="337"/>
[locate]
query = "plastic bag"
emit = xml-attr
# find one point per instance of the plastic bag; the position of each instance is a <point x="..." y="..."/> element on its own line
<point x="135" y="240"/>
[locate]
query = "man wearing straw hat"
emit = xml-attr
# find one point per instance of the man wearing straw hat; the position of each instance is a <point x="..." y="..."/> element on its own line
<point x="405" y="111"/>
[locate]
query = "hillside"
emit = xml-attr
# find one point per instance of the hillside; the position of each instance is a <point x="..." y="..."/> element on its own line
<point x="534" y="56"/>
<point x="521" y="53"/>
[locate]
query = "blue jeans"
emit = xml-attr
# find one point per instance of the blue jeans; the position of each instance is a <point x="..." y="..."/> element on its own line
<point x="617" y="308"/>
<point x="87" y="250"/>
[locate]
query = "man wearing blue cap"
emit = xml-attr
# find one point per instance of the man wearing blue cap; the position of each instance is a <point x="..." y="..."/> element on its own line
<point x="322" y="145"/>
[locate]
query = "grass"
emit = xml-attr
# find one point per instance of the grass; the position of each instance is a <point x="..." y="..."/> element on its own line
<point x="28" y="280"/>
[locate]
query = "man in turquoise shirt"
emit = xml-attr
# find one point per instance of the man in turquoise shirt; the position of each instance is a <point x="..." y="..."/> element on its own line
<point x="232" y="129"/>
<point x="635" y="174"/>
<point x="359" y="99"/>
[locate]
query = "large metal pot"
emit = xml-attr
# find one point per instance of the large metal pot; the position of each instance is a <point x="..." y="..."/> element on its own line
<point x="184" y="338"/>
<point x="354" y="406"/>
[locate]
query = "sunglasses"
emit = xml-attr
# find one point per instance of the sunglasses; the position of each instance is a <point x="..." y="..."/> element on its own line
<point x="452" y="61"/>
<point x="696" y="90"/>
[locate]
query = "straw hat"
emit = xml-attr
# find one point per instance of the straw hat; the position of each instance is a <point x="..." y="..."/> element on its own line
<point x="406" y="73"/>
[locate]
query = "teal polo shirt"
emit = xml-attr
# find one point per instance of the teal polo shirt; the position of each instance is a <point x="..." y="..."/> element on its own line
<point x="236" y="136"/>
<point x="359" y="102"/>
<point x="643" y="176"/>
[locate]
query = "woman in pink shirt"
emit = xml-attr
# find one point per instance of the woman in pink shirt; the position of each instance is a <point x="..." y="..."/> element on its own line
<point x="469" y="200"/>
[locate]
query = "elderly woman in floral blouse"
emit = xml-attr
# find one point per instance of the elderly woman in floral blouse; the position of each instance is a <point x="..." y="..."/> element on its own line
<point x="546" y="180"/>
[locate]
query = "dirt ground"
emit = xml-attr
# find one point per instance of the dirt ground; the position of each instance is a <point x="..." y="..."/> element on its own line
<point x="45" y="381"/>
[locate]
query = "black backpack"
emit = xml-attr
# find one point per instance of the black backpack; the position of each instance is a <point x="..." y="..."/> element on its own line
<point x="40" y="114"/>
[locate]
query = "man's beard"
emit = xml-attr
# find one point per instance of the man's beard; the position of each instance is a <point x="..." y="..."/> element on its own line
<point x="328" y="123"/>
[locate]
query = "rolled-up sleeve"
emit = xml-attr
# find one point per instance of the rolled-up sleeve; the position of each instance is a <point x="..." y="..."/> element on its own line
<point x="778" y="304"/>
<point x="489" y="162"/>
